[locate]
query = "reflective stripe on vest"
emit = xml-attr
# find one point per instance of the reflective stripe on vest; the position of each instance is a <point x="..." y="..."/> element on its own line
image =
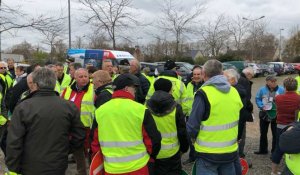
<point x="292" y="162"/>
<point x="87" y="107"/>
<point x="166" y="125"/>
<point x="219" y="127"/>
<point x="98" y="169"/>
<point x="120" y="137"/>
<point x="125" y="158"/>
<point x="218" y="134"/>
<point x="178" y="92"/>
<point x="120" y="144"/>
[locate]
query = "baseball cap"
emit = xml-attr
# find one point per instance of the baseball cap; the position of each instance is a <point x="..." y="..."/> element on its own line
<point x="169" y="65"/>
<point x="271" y="78"/>
<point x="124" y="62"/>
<point x="124" y="80"/>
<point x="70" y="60"/>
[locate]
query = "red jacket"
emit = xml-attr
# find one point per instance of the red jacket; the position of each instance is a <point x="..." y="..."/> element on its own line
<point x="151" y="136"/>
<point x="287" y="104"/>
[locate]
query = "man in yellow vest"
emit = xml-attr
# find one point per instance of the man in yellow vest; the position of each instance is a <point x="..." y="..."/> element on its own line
<point x="178" y="89"/>
<point x="170" y="122"/>
<point x="290" y="145"/>
<point x="6" y="76"/>
<point x="103" y="89"/>
<point x="127" y="133"/>
<point x="63" y="79"/>
<point x="213" y="122"/>
<point x="82" y="94"/>
<point x="192" y="87"/>
<point x="108" y="66"/>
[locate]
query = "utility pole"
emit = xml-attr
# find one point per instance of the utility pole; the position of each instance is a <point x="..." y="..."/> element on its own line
<point x="280" y="47"/>
<point x="0" y="33"/>
<point x="69" y="11"/>
<point x="253" y="28"/>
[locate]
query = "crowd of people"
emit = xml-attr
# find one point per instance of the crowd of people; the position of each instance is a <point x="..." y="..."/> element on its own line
<point x="141" y="123"/>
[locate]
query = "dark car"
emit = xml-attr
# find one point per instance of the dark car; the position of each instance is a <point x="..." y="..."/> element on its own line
<point x="266" y="70"/>
<point x="228" y="66"/>
<point x="184" y="69"/>
<point x="277" y="67"/>
<point x="152" y="66"/>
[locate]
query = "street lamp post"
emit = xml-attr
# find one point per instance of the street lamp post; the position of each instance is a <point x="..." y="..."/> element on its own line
<point x="69" y="17"/>
<point x="253" y="20"/>
<point x="280" y="44"/>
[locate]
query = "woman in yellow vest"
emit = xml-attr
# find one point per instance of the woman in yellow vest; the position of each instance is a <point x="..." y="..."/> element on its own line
<point x="170" y="121"/>
<point x="290" y="145"/>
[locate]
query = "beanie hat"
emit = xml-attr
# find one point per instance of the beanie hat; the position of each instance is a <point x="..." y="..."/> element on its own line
<point x="163" y="85"/>
<point x="124" y="80"/>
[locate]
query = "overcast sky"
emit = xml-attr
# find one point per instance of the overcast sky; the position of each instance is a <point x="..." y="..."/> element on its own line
<point x="278" y="14"/>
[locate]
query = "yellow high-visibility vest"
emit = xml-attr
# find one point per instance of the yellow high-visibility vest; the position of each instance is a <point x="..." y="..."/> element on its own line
<point x="120" y="135"/>
<point x="166" y="125"/>
<point x="218" y="134"/>
<point x="87" y="107"/>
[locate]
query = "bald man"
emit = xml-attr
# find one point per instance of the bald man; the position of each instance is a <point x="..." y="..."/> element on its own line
<point x="142" y="91"/>
<point x="82" y="94"/>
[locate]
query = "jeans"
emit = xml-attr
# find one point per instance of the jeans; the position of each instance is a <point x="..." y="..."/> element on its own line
<point x="204" y="167"/>
<point x="277" y="154"/>
<point x="264" y="127"/>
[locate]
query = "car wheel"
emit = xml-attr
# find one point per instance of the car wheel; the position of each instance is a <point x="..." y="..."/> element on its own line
<point x="266" y="73"/>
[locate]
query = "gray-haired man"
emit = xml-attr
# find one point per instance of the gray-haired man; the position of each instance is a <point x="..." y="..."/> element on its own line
<point x="39" y="133"/>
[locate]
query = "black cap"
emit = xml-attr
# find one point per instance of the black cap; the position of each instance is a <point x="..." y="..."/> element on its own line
<point x="70" y="60"/>
<point x="163" y="85"/>
<point x="124" y="62"/>
<point x="124" y="80"/>
<point x="169" y="65"/>
<point x="271" y="78"/>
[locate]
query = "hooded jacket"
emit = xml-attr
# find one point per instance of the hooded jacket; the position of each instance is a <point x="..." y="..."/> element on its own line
<point x="161" y="104"/>
<point x="201" y="111"/>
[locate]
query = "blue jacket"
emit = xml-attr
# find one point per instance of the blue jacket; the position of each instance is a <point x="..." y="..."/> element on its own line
<point x="263" y="93"/>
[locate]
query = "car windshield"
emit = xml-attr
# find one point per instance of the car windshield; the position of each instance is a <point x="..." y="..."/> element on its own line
<point x="189" y="66"/>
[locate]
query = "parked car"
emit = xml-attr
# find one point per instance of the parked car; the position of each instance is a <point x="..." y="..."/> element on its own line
<point x="266" y="70"/>
<point x="296" y="66"/>
<point x="277" y="67"/>
<point x="256" y="69"/>
<point x="240" y="65"/>
<point x="228" y="66"/>
<point x="184" y="69"/>
<point x="153" y="67"/>
<point x="288" y="68"/>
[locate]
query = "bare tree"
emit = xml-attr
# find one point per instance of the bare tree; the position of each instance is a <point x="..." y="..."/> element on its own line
<point x="110" y="15"/>
<point x="14" y="18"/>
<point x="238" y="28"/>
<point x="178" y="19"/>
<point x="53" y="32"/>
<point x="215" y="35"/>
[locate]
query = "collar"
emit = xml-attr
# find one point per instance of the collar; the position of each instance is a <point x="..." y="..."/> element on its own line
<point x="274" y="90"/>
<point x="103" y="87"/>
<point x="75" y="88"/>
<point x="122" y="94"/>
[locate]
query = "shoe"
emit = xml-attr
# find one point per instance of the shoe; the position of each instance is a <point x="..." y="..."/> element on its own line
<point x="188" y="161"/>
<point x="260" y="152"/>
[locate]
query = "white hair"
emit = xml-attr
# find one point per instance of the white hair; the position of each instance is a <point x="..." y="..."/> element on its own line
<point x="4" y="63"/>
<point x="231" y="73"/>
<point x="248" y="70"/>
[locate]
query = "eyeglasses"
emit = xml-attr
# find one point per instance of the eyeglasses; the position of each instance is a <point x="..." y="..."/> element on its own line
<point x="2" y="67"/>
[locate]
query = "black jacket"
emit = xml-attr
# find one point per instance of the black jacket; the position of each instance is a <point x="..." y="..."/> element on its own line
<point x="161" y="104"/>
<point x="243" y="81"/>
<point x="38" y="140"/>
<point x="142" y="90"/>
<point x="13" y="96"/>
<point x="103" y="95"/>
<point x="289" y="140"/>
<point x="242" y="120"/>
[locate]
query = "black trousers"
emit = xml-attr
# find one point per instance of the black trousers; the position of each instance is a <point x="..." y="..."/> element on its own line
<point x="264" y="127"/>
